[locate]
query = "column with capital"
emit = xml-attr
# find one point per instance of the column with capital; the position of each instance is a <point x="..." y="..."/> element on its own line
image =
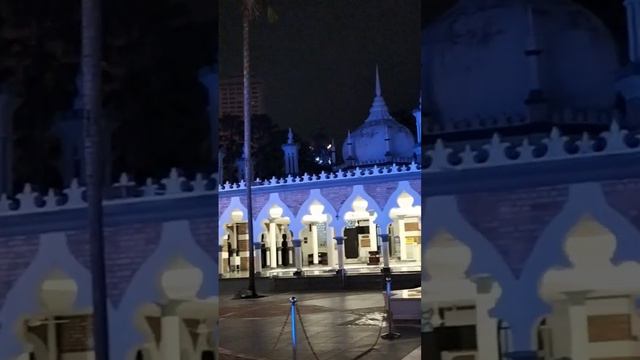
<point x="257" y="256"/>
<point x="314" y="243"/>
<point x="373" y="236"/>
<point x="403" y="240"/>
<point x="297" y="256"/>
<point x="170" y="330"/>
<point x="486" y="326"/>
<point x="578" y="325"/>
<point x="331" y="252"/>
<point x="273" y="245"/>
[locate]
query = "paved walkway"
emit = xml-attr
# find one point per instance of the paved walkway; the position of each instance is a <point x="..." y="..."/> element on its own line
<point x="340" y="326"/>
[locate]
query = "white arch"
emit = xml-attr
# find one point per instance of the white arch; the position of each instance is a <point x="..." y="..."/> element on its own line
<point x="225" y="218"/>
<point x="263" y="215"/>
<point x="347" y="206"/>
<point x="23" y="298"/>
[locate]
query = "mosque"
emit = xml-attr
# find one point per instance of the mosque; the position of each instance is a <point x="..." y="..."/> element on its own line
<point x="362" y="217"/>
<point x="531" y="232"/>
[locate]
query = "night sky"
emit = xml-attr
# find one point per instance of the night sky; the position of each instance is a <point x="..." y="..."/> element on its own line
<point x="611" y="12"/>
<point x="318" y="60"/>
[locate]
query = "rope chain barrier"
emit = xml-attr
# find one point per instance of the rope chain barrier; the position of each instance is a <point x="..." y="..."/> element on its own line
<point x="284" y="325"/>
<point x="375" y="343"/>
<point x="304" y="331"/>
<point x="296" y="311"/>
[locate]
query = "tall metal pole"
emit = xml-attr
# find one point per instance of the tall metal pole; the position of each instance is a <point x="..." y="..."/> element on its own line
<point x="294" y="337"/>
<point x="246" y="19"/>
<point x="391" y="334"/>
<point x="91" y="77"/>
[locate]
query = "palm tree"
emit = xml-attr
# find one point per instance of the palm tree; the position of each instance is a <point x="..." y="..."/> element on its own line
<point x="250" y="9"/>
<point x="92" y="101"/>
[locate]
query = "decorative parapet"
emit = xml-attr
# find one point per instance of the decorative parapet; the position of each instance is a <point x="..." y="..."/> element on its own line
<point x="122" y="192"/>
<point x="440" y="158"/>
<point x="557" y="116"/>
<point x="554" y="147"/>
<point x="357" y="173"/>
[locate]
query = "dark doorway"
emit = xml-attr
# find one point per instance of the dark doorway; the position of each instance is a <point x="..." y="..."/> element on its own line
<point x="456" y="338"/>
<point x="208" y="355"/>
<point x="351" y="243"/>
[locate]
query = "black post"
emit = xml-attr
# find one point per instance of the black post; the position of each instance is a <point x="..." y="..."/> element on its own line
<point x="391" y="334"/>
<point x="92" y="123"/>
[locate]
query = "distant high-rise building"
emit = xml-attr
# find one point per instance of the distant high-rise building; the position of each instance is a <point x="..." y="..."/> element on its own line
<point x="231" y="90"/>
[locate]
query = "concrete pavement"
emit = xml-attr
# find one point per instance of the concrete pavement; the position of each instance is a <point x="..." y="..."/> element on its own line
<point x="339" y="325"/>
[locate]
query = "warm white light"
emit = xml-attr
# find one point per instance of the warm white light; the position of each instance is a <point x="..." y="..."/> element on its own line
<point x="276" y="212"/>
<point x="316" y="208"/>
<point x="236" y="215"/>
<point x="360" y="204"/>
<point x="405" y="201"/>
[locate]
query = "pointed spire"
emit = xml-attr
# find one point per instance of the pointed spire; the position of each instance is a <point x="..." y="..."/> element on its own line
<point x="379" y="109"/>
<point x="290" y="139"/>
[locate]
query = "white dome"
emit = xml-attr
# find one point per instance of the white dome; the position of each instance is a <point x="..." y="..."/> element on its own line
<point x="368" y="143"/>
<point x="475" y="67"/>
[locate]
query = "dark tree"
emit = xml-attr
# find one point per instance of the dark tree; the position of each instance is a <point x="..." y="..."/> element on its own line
<point x="151" y="91"/>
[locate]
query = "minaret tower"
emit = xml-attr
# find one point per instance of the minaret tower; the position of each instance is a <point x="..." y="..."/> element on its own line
<point x="417" y="114"/>
<point x="629" y="83"/>
<point x="290" y="150"/>
<point x="351" y="153"/>
<point x="333" y="154"/>
<point x="536" y="101"/>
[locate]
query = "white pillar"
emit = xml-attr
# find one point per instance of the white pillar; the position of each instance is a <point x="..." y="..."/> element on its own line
<point x="235" y="245"/>
<point x="314" y="243"/>
<point x="373" y="235"/>
<point x="257" y="257"/>
<point x="273" y="246"/>
<point x="340" y="247"/>
<point x="578" y="326"/>
<point x="52" y="338"/>
<point x="385" y="250"/>
<point x="331" y="248"/>
<point x="486" y="326"/>
<point x="297" y="256"/>
<point x="633" y="313"/>
<point x="403" y="242"/>
<point x="633" y="29"/>
<point x="222" y="258"/>
<point x="170" y="342"/>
